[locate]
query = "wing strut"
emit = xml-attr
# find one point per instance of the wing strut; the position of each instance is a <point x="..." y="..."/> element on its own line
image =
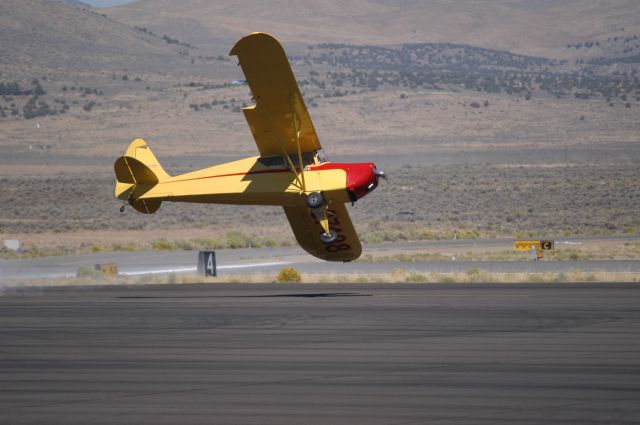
<point x="299" y="176"/>
<point x="296" y="131"/>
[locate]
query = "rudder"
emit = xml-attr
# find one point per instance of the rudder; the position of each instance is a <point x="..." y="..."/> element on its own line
<point x="137" y="171"/>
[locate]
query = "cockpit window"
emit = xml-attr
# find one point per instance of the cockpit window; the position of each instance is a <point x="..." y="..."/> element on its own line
<point x="271" y="161"/>
<point x="278" y="162"/>
<point x="307" y="159"/>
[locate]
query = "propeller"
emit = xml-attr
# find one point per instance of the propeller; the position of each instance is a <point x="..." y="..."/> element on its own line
<point x="381" y="174"/>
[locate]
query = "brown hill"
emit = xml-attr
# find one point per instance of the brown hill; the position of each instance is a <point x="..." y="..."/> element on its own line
<point x="41" y="34"/>
<point x="537" y="28"/>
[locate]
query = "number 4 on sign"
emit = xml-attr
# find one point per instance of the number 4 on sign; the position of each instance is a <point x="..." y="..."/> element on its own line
<point x="207" y="263"/>
<point x="211" y="264"/>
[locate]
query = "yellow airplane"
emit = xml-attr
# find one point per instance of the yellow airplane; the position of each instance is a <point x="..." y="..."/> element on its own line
<point x="291" y="171"/>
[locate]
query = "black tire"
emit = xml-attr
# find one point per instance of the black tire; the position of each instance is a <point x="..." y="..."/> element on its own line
<point x="329" y="238"/>
<point x="315" y="200"/>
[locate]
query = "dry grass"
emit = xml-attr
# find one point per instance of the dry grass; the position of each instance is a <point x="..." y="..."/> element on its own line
<point x="619" y="250"/>
<point x="88" y="277"/>
<point x="401" y="275"/>
<point x="70" y="213"/>
<point x="398" y="275"/>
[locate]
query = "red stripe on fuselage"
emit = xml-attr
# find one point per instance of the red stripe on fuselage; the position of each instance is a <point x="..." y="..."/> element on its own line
<point x="322" y="167"/>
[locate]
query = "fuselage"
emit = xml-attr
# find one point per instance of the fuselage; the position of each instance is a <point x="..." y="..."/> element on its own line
<point x="268" y="180"/>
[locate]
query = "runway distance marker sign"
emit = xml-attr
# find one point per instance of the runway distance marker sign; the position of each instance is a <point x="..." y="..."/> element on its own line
<point x="207" y="263"/>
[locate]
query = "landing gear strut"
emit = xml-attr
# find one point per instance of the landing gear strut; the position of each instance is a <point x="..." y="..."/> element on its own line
<point x="315" y="201"/>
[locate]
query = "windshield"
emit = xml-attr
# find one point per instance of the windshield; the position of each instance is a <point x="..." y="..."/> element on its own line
<point x="321" y="157"/>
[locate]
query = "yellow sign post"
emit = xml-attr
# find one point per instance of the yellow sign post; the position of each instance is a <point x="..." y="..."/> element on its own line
<point x="531" y="245"/>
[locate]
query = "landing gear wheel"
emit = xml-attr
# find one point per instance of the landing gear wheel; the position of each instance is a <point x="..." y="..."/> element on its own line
<point x="329" y="238"/>
<point x="315" y="200"/>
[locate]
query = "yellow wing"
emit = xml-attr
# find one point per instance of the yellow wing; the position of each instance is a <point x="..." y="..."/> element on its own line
<point x="279" y="116"/>
<point x="307" y="231"/>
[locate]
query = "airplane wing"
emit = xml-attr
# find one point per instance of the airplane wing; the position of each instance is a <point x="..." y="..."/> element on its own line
<point x="307" y="231"/>
<point x="279" y="113"/>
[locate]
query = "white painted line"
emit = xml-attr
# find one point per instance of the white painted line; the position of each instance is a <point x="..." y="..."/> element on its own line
<point x="159" y="271"/>
<point x="242" y="266"/>
<point x="194" y="269"/>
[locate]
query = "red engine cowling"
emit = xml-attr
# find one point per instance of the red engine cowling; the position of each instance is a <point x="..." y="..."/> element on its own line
<point x="361" y="179"/>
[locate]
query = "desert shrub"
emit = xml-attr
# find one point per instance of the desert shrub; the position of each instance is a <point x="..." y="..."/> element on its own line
<point x="209" y="243"/>
<point x="185" y="245"/>
<point x="237" y="239"/>
<point x="289" y="275"/>
<point x="476" y="275"/>
<point x="162" y="245"/>
<point x="8" y="253"/>
<point x="398" y="273"/>
<point x="535" y="278"/>
<point x="129" y="247"/>
<point x="415" y="277"/>
<point x="86" y="271"/>
<point x="467" y="234"/>
<point x="269" y="242"/>
<point x="97" y="248"/>
<point x="37" y="108"/>
<point x="472" y="271"/>
<point x="12" y="89"/>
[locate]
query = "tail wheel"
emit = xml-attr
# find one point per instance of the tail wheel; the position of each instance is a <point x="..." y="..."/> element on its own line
<point x="315" y="200"/>
<point x="329" y="238"/>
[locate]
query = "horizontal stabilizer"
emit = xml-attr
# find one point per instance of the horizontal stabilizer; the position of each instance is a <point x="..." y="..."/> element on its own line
<point x="146" y="206"/>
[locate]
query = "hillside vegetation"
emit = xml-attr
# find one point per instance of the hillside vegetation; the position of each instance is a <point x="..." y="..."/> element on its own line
<point x="493" y="118"/>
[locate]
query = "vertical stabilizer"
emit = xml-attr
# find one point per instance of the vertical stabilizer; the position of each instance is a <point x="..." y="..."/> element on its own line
<point x="139" y="150"/>
<point x="137" y="171"/>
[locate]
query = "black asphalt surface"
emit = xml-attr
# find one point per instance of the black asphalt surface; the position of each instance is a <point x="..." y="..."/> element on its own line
<point x="321" y="354"/>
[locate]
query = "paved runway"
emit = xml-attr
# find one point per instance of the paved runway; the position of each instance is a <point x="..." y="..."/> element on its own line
<point x="321" y="354"/>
